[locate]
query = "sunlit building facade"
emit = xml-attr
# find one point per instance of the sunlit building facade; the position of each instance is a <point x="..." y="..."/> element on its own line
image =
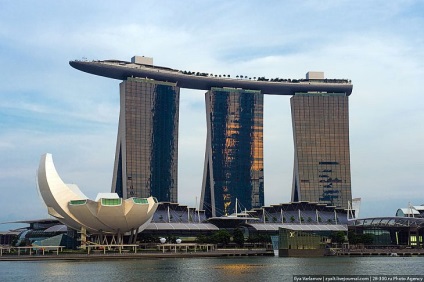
<point x="146" y="153"/>
<point x="234" y="151"/>
<point x="146" y="160"/>
<point x="321" y="148"/>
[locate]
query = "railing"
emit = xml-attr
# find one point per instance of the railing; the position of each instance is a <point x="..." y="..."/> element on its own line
<point x="186" y="246"/>
<point x="32" y="249"/>
<point x="103" y="248"/>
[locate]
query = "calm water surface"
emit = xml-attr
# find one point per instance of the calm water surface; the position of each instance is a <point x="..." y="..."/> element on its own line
<point x="207" y="269"/>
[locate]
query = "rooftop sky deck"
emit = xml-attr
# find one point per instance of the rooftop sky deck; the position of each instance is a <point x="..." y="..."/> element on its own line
<point x="204" y="81"/>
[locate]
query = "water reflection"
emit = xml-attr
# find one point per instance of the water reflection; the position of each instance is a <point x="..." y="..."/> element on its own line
<point x="207" y="269"/>
<point x="240" y="269"/>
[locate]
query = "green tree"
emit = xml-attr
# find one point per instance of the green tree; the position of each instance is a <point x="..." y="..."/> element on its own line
<point x="366" y="239"/>
<point x="352" y="238"/>
<point x="202" y="239"/>
<point x="338" y="237"/>
<point x="238" y="237"/>
<point x="170" y="239"/>
<point x="259" y="239"/>
<point x="143" y="238"/>
<point x="221" y="237"/>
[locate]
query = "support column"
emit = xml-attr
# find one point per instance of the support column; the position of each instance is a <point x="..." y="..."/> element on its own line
<point x="83" y="238"/>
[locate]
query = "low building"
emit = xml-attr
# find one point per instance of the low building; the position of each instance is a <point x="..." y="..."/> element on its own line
<point x="399" y="232"/>
<point x="412" y="211"/>
<point x="172" y="220"/>
<point x="8" y="238"/>
<point x="307" y="241"/>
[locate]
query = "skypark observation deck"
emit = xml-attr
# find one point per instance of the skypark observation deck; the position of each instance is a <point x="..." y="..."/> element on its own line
<point x="203" y="81"/>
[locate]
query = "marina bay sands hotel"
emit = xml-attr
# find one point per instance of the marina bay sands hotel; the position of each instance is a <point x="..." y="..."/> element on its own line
<point x="146" y="159"/>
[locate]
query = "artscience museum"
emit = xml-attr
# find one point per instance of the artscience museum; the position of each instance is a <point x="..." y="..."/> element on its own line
<point x="107" y="214"/>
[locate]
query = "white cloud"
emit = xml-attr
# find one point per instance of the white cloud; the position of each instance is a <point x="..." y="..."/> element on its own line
<point x="46" y="106"/>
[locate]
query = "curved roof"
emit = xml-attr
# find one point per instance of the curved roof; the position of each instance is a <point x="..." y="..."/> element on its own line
<point x="72" y="208"/>
<point x="182" y="226"/>
<point x="114" y="215"/>
<point x="57" y="228"/>
<point x="298" y="227"/>
<point x="407" y="211"/>
<point x="395" y="221"/>
<point x="56" y="194"/>
<point x="121" y="70"/>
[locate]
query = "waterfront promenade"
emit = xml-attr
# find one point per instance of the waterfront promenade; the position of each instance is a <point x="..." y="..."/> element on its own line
<point x="100" y="255"/>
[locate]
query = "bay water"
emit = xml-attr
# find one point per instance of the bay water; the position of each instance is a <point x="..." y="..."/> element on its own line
<point x="207" y="269"/>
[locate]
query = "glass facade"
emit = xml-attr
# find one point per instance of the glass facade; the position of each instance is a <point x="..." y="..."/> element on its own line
<point x="234" y="151"/>
<point x="77" y="202"/>
<point x="388" y="231"/>
<point x="147" y="146"/>
<point x="301" y="240"/>
<point x="140" y="200"/>
<point x="321" y="140"/>
<point x="111" y="202"/>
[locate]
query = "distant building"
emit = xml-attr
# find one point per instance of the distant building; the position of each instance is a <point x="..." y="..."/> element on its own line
<point x="146" y="159"/>
<point x="399" y="231"/>
<point x="356" y="206"/>
<point x="176" y="213"/>
<point x="46" y="232"/>
<point x="411" y="211"/>
<point x="301" y="228"/>
<point x="321" y="148"/>
<point x="174" y="220"/>
<point x="302" y="213"/>
<point x="9" y="238"/>
<point x="234" y="151"/>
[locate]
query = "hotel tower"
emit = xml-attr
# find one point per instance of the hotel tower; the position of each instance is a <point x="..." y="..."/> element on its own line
<point x="234" y="151"/>
<point x="146" y="159"/>
<point x="321" y="148"/>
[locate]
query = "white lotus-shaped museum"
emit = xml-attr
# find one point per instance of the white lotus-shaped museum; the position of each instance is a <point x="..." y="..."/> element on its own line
<point x="107" y="214"/>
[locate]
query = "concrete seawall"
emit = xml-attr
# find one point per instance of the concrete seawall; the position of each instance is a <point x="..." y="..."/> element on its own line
<point x="381" y="252"/>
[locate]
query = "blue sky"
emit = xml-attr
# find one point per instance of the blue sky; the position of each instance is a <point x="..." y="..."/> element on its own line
<point x="47" y="106"/>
